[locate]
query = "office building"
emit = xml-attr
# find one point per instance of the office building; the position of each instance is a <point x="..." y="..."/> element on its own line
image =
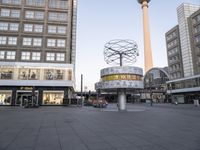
<point x="183" y="49"/>
<point x="37" y="50"/>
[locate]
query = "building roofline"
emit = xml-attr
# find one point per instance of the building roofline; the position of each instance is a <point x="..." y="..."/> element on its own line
<point x="182" y="79"/>
<point x="161" y="69"/>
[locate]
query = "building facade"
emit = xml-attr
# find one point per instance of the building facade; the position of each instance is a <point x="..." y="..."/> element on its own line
<point x="186" y="86"/>
<point x="174" y="53"/>
<point x="37" y="50"/>
<point x="194" y="32"/>
<point x="184" y="11"/>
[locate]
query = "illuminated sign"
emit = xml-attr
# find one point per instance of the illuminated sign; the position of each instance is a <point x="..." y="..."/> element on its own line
<point x="26" y="88"/>
<point x="122" y="77"/>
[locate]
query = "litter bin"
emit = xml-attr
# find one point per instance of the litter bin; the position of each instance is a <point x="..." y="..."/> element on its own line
<point x="196" y="102"/>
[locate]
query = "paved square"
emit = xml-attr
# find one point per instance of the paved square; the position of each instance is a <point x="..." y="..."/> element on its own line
<point x="161" y="127"/>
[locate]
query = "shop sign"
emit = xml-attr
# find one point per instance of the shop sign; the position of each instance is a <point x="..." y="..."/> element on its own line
<point x="26" y="88"/>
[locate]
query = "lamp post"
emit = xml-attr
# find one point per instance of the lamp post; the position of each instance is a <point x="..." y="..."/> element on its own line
<point x="170" y="89"/>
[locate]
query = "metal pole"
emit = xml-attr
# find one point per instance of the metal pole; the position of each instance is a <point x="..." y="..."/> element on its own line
<point x="120" y="59"/>
<point x="81" y="86"/>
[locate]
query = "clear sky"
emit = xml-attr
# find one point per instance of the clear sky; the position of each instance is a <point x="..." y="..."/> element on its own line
<point x="100" y="21"/>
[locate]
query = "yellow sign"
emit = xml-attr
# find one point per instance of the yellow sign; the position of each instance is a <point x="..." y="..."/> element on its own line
<point x="121" y="77"/>
<point x="26" y="88"/>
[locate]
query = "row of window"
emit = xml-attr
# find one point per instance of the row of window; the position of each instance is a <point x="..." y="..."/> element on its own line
<point x="175" y="75"/>
<point x="28" y="41"/>
<point x="41" y="3"/>
<point x="197" y="49"/>
<point x="173" y="59"/>
<point x="10" y="55"/>
<point x="196" y="19"/>
<point x="171" y="35"/>
<point x="5" y="26"/>
<point x="8" y="40"/>
<point x="174" y="67"/>
<point x="39" y="15"/>
<point x="37" y="28"/>
<point x="172" y="43"/>
<point x="173" y="51"/>
<point x="58" y="4"/>
<point x="197" y="29"/>
<point x="14" y="2"/>
<point x="48" y="97"/>
<point x="35" y="74"/>
<point x="34" y="56"/>
<point x="197" y="39"/>
<point x="189" y="83"/>
<point x="10" y="13"/>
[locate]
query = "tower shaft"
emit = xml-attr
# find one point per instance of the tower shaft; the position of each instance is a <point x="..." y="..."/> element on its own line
<point x="147" y="40"/>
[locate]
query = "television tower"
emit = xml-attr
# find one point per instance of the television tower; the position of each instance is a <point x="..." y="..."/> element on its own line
<point x="147" y="40"/>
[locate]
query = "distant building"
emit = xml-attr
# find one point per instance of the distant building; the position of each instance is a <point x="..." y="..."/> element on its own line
<point x="155" y="84"/>
<point x="37" y="50"/>
<point x="183" y="51"/>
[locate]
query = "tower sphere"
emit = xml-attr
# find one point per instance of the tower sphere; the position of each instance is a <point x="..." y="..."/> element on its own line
<point x="141" y="1"/>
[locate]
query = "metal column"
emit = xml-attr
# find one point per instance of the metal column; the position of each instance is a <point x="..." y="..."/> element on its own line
<point x="121" y="99"/>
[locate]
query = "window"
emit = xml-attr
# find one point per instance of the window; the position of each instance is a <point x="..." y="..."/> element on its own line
<point x="51" y="29"/>
<point x="3" y="40"/>
<point x="15" y="2"/>
<point x="10" y="55"/>
<point x="27" y="41"/>
<point x="5" y="12"/>
<point x="61" y="29"/>
<point x="60" y="57"/>
<point x="57" y="16"/>
<point x="37" y="42"/>
<point x="196" y="19"/>
<point x="50" y="56"/>
<point x="14" y="26"/>
<point x="28" y="27"/>
<point x="3" y="26"/>
<point x="35" y="2"/>
<point x="60" y="43"/>
<point x="39" y="15"/>
<point x="34" y="14"/>
<point x="57" y="29"/>
<point x="38" y="28"/>
<point x="62" y="16"/>
<point x="12" y="40"/>
<point x="53" y="97"/>
<point x="52" y="16"/>
<point x="25" y="55"/>
<point x="51" y="42"/>
<point x="15" y="13"/>
<point x="58" y="4"/>
<point x="29" y="14"/>
<point x="36" y="56"/>
<point x="2" y="54"/>
<point x="63" y="4"/>
<point x="197" y="39"/>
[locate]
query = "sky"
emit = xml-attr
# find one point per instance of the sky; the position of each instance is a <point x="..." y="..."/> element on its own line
<point x="99" y="21"/>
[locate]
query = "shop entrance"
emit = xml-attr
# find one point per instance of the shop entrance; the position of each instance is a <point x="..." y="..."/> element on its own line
<point x="26" y="97"/>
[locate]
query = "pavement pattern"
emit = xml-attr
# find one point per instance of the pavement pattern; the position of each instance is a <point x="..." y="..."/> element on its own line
<point x="142" y="127"/>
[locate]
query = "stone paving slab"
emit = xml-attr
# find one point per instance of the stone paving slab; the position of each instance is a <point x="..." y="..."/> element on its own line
<point x="142" y="127"/>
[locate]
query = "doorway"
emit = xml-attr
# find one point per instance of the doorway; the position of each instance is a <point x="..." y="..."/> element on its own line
<point x="26" y="96"/>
